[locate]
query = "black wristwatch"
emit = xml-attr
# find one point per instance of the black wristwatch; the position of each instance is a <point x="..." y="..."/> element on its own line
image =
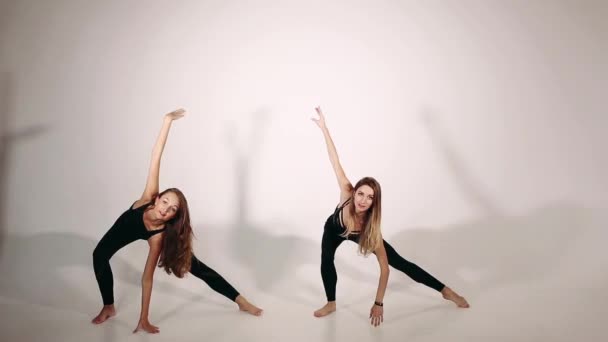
<point x="378" y="303"/>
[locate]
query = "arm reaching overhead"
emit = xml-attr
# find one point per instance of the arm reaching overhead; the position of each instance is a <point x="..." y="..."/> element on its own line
<point x="153" y="174"/>
<point x="346" y="187"/>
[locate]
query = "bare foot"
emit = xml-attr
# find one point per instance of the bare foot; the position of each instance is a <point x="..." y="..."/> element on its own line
<point x="244" y="305"/>
<point x="449" y="294"/>
<point x="326" y="309"/>
<point x="106" y="312"/>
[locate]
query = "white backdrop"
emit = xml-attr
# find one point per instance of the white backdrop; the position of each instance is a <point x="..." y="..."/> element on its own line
<point x="484" y="121"/>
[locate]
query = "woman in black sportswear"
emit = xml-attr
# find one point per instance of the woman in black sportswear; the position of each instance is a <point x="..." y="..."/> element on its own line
<point x="163" y="219"/>
<point x="357" y="218"/>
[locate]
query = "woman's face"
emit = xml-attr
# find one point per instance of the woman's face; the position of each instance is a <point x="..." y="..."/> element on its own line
<point x="166" y="206"/>
<point x="364" y="198"/>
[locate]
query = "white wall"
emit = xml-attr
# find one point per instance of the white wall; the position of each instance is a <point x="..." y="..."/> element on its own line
<point x="485" y="118"/>
<point x="514" y="91"/>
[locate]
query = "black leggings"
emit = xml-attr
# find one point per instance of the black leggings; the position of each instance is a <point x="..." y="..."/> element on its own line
<point x="121" y="235"/>
<point x="116" y="238"/>
<point x="331" y="241"/>
<point x="213" y="279"/>
<point x="103" y="272"/>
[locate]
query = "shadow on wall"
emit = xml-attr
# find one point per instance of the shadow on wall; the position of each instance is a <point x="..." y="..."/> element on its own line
<point x="495" y="249"/>
<point x="5" y="109"/>
<point x="34" y="267"/>
<point x="34" y="271"/>
<point x="8" y="141"/>
<point x="271" y="258"/>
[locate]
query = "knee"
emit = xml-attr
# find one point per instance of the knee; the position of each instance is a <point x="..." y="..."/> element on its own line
<point x="99" y="256"/>
<point x="96" y="253"/>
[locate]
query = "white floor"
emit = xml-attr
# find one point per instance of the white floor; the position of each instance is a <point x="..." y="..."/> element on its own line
<point x="538" y="277"/>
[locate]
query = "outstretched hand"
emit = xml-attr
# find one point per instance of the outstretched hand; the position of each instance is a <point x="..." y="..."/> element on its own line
<point x="176" y="114"/>
<point x="320" y="121"/>
<point x="147" y="327"/>
<point x="376" y="315"/>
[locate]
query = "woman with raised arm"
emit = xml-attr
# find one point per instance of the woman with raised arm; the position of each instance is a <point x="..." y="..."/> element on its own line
<point x="163" y="219"/>
<point x="357" y="218"/>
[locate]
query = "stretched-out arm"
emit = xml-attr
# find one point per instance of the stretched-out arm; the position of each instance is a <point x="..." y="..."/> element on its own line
<point x="151" y="188"/>
<point x="377" y="311"/>
<point x="147" y="279"/>
<point x="345" y="185"/>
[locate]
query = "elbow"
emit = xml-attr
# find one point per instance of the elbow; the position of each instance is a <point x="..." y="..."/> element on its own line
<point x="146" y="281"/>
<point x="346" y="186"/>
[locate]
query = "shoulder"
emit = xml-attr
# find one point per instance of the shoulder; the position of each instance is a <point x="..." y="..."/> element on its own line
<point x="142" y="202"/>
<point x="156" y="241"/>
<point x="345" y="195"/>
<point x="343" y="204"/>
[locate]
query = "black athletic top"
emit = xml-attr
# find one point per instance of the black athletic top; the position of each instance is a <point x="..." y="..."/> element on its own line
<point x="336" y="220"/>
<point x="128" y="227"/>
<point x="134" y="218"/>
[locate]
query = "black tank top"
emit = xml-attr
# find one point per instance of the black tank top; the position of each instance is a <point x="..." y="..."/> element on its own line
<point x="128" y="227"/>
<point x="134" y="219"/>
<point x="336" y="220"/>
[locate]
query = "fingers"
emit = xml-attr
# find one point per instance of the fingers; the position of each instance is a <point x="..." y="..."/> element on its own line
<point x="176" y="114"/>
<point x="321" y="115"/>
<point x="376" y="318"/>
<point x="320" y="121"/>
<point x="319" y="111"/>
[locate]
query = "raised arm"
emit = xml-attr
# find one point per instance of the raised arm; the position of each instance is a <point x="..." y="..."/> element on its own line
<point x="376" y="313"/>
<point x="346" y="187"/>
<point x="153" y="174"/>
<point x="144" y="324"/>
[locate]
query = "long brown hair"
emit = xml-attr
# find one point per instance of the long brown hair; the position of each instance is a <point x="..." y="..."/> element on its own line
<point x="176" y="254"/>
<point x="371" y="236"/>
